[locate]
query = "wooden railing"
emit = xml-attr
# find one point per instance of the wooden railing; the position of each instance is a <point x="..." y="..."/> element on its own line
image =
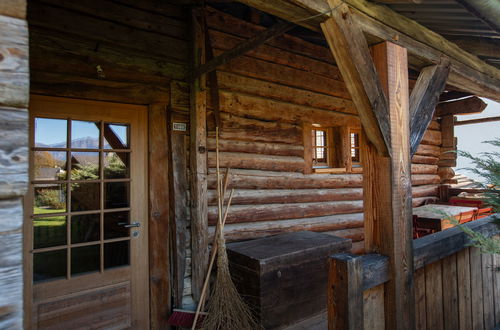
<point x="456" y="286"/>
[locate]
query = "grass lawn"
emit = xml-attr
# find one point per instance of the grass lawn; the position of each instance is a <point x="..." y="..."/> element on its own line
<point x="49" y="221"/>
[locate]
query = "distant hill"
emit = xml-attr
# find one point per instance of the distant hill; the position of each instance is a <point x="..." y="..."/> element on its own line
<point x="81" y="143"/>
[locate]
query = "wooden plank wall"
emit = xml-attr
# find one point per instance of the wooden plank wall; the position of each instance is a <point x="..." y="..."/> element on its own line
<point x="265" y="99"/>
<point x="14" y="89"/>
<point x="461" y="291"/>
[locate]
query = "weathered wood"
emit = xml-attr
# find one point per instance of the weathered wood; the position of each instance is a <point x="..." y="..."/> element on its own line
<point x="308" y="148"/>
<point x="487" y="271"/>
<point x="432" y="137"/>
<point x="476" y="288"/>
<point x="263" y="212"/>
<point x="263" y="148"/>
<point x="345" y="292"/>
<point x="13" y="152"/>
<point x="477" y="121"/>
<point x="243" y="48"/>
<point x="374" y="308"/>
<point x="180" y="217"/>
<point x="423" y="169"/>
<point x="434" y="296"/>
<point x="424" y="97"/>
<point x="258" y="162"/>
<point x="352" y="56"/>
<point x="198" y="159"/>
<point x="13" y="8"/>
<point x="450" y="293"/>
<point x="470" y="105"/>
<point x="464" y="294"/>
<point x="420" y="311"/>
<point x="14" y="68"/>
<point x="496" y="285"/>
<point x="428" y="150"/>
<point x="375" y="270"/>
<point x="159" y="237"/>
<point x="431" y="160"/>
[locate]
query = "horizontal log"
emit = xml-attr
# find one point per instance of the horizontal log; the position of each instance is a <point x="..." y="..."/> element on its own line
<point x="416" y="202"/>
<point x="447" y="163"/>
<point x="418" y="159"/>
<point x="97" y="89"/>
<point x="263" y="148"/>
<point x="244" y="231"/>
<point x="225" y="41"/>
<point x="256" y="161"/>
<point x="259" y="69"/>
<point x="237" y="83"/>
<point x="13" y="8"/>
<point x="85" y="26"/>
<point x="355" y="234"/>
<point x="158" y="6"/>
<point x="227" y="23"/>
<point x="456" y="191"/>
<point x="179" y="96"/>
<point x="435" y="125"/>
<point x="428" y="150"/>
<point x="266" y="212"/>
<point x="432" y="137"/>
<point x="423" y="169"/>
<point x="14" y="67"/>
<point x="255" y="179"/>
<point x="272" y="110"/>
<point x="255" y="130"/>
<point x="477" y="121"/>
<point x="425" y="191"/>
<point x="112" y="58"/>
<point x="438" y="246"/>
<point x="425" y="179"/>
<point x="128" y="16"/>
<point x="13" y="152"/>
<point x="281" y="196"/>
<point x="465" y="106"/>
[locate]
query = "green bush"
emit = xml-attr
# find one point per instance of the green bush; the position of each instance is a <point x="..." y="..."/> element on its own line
<point x="50" y="198"/>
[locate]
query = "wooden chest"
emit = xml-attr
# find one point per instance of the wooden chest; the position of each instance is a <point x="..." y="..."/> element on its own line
<point x="284" y="277"/>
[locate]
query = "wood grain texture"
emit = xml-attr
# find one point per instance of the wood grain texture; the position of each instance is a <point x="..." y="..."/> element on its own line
<point x="374" y="308"/>
<point x="352" y="56"/>
<point x="13" y="8"/>
<point x="476" y="288"/>
<point x="450" y="293"/>
<point x="487" y="271"/>
<point x="496" y="285"/>
<point x="469" y="105"/>
<point x="434" y="296"/>
<point x="464" y="287"/>
<point x="198" y="159"/>
<point x="420" y="309"/>
<point x="159" y="226"/>
<point x="423" y="99"/>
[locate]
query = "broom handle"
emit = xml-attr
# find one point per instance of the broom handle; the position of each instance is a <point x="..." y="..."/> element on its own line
<point x="212" y="259"/>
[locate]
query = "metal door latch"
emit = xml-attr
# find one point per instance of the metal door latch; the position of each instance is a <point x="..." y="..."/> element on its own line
<point x="133" y="224"/>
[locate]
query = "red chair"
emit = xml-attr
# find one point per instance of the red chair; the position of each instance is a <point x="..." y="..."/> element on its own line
<point x="420" y="231"/>
<point x="464" y="217"/>
<point x="484" y="212"/>
<point x="466" y="202"/>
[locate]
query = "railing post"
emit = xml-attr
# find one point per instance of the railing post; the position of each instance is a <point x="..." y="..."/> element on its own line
<point x="345" y="292"/>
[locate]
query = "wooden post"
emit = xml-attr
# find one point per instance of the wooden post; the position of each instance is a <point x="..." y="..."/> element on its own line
<point x="387" y="191"/>
<point x="345" y="292"/>
<point x="198" y="159"/>
<point x="159" y="265"/>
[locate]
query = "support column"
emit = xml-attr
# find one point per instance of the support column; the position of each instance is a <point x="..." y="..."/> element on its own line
<point x="387" y="190"/>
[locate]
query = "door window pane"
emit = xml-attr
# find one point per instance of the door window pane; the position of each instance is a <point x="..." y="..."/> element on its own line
<point x="116" y="165"/>
<point x="50" y="165"/>
<point x="49" y="265"/>
<point x="85" y="196"/>
<point x="116" y="254"/>
<point x="114" y="225"/>
<point x="85" y="228"/>
<point x="85" y="259"/>
<point x="84" y="166"/>
<point x="116" y="136"/>
<point x="51" y="133"/>
<point x="117" y="195"/>
<point x="84" y="134"/>
<point x="49" y="231"/>
<point x="49" y="198"/>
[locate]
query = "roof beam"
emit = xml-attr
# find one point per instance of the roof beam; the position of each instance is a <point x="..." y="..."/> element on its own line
<point x="351" y="53"/>
<point x="427" y="47"/>
<point x="476" y="121"/>
<point x="467" y="106"/>
<point x="424" y="97"/>
<point x="486" y="10"/>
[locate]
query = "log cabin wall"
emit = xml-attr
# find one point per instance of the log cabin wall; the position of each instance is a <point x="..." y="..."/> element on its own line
<point x="265" y="99"/>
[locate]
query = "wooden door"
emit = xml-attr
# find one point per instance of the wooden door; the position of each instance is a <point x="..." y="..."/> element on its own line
<point x="86" y="249"/>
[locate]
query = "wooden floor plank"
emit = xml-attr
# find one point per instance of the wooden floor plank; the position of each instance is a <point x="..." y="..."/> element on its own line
<point x="464" y="294"/>
<point x="434" y="295"/>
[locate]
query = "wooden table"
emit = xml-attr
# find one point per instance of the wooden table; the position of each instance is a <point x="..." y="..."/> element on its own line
<point x="435" y="216"/>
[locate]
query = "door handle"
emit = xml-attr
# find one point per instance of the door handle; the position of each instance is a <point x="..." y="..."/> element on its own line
<point x="126" y="225"/>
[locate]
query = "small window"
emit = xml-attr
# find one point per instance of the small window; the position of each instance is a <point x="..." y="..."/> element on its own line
<point x="321" y="147"/>
<point x="354" y="136"/>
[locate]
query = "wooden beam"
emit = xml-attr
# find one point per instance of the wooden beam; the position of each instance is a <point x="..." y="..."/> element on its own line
<point x="198" y="159"/>
<point x="426" y="47"/>
<point x="352" y="56"/>
<point x="159" y="241"/>
<point x="453" y="95"/>
<point x="476" y="121"/>
<point x="470" y="105"/>
<point x="424" y="97"/>
<point x="486" y="47"/>
<point x="244" y="47"/>
<point x="345" y="292"/>
<point x="13" y="8"/>
<point x="387" y="191"/>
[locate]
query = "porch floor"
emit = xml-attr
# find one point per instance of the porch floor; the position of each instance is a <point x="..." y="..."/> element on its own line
<point x="316" y="322"/>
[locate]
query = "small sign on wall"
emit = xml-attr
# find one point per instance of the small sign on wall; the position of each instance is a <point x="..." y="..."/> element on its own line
<point x="182" y="127"/>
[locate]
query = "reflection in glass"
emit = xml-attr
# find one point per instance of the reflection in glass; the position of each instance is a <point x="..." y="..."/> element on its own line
<point x="116" y="136"/>
<point x="116" y="254"/>
<point x="85" y="228"/>
<point x="84" y="166"/>
<point x="49" y="265"/>
<point x="50" y="165"/>
<point x="117" y="195"/>
<point x="85" y="259"/>
<point x="49" y="231"/>
<point x="84" y="134"/>
<point x="85" y="196"/>
<point x="50" y="133"/>
<point x="114" y="225"/>
<point x="49" y="198"/>
<point x="116" y="165"/>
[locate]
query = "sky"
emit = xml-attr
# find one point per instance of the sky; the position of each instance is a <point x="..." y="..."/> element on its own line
<point x="470" y="137"/>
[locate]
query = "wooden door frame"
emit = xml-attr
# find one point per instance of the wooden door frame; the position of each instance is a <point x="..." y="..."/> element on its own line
<point x="141" y="285"/>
